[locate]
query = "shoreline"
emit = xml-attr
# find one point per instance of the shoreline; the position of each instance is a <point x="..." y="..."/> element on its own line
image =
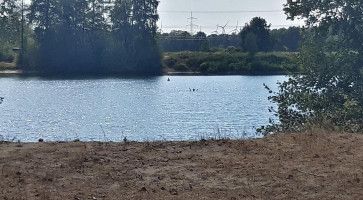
<point x="18" y="72"/>
<point x="311" y="165"/>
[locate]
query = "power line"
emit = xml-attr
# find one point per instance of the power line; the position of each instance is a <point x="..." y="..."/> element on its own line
<point x="221" y="12"/>
<point x="229" y="27"/>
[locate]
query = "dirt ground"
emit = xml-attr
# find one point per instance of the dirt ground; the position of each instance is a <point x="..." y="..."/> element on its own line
<point x="284" y="166"/>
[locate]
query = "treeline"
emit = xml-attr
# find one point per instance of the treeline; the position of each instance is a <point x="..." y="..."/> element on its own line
<point x="178" y="40"/>
<point x="90" y="36"/>
<point x="254" y="36"/>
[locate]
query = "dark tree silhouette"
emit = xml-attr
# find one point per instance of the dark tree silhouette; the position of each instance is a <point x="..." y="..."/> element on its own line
<point x="259" y="27"/>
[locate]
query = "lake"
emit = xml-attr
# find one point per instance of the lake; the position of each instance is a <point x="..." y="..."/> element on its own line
<point x="140" y="109"/>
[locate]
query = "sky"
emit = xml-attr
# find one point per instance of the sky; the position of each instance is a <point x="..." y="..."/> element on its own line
<point x="210" y="13"/>
<point x="174" y="14"/>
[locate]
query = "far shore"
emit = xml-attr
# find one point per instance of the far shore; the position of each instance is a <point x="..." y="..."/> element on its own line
<point x="19" y="72"/>
<point x="310" y="165"/>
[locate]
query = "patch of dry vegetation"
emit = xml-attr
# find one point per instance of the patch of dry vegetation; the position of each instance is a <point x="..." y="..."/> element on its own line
<point x="292" y="166"/>
<point x="8" y="65"/>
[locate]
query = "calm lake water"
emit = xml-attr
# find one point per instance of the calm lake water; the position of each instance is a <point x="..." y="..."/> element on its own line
<point x="141" y="109"/>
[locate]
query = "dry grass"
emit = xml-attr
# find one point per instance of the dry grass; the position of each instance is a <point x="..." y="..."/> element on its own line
<point x="9" y="65"/>
<point x="292" y="166"/>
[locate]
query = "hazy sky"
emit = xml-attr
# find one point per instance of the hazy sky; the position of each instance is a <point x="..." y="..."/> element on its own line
<point x="210" y="13"/>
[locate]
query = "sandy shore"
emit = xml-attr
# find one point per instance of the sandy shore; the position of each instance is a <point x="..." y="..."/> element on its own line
<point x="294" y="166"/>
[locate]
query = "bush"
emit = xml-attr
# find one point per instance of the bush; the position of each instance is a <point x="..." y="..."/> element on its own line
<point x="213" y="69"/>
<point x="184" y="55"/>
<point x="240" y="67"/>
<point x="204" y="67"/>
<point x="216" y="49"/>
<point x="181" y="67"/>
<point x="273" y="58"/>
<point x="194" y="63"/>
<point x="170" y="62"/>
<point x="262" y="67"/>
<point x="231" y="49"/>
<point x="6" y="57"/>
<point x="209" y="68"/>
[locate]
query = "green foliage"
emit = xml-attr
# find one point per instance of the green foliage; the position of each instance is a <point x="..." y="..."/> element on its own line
<point x="204" y="67"/>
<point x="259" y="28"/>
<point x="286" y="39"/>
<point x="205" y="46"/>
<point x="178" y="41"/>
<point x="250" y="44"/>
<point x="6" y="56"/>
<point x="263" y="67"/>
<point x="170" y="62"/>
<point x="30" y="57"/>
<point x="231" y="49"/>
<point x="181" y="67"/>
<point x="76" y="36"/>
<point x="329" y="92"/>
<point x="10" y="27"/>
<point x="231" y="63"/>
<point x="241" y="67"/>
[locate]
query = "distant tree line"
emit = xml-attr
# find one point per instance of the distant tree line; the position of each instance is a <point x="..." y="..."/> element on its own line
<point x="178" y="40"/>
<point x="254" y="36"/>
<point x="90" y="36"/>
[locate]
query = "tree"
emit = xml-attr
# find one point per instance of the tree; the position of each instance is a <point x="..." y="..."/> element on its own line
<point x="286" y="39"/>
<point x="201" y="35"/>
<point x="259" y="27"/>
<point x="250" y="44"/>
<point x="95" y="36"/>
<point x="134" y="32"/>
<point x="10" y="26"/>
<point x="329" y="92"/>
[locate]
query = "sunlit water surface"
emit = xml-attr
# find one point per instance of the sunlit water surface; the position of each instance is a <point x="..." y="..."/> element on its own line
<point x="140" y="109"/>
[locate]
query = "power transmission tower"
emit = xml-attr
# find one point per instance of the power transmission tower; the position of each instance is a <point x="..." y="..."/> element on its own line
<point x="161" y="28"/>
<point x="192" y="25"/>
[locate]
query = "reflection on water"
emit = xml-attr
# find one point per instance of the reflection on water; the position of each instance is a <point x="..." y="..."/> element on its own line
<point x="137" y="108"/>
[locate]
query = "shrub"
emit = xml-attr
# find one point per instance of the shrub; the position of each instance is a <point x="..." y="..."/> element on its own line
<point x="204" y="67"/>
<point x="240" y="67"/>
<point x="213" y="69"/>
<point x="6" y="57"/>
<point x="184" y="55"/>
<point x="262" y="67"/>
<point x="170" y="62"/>
<point x="181" y="67"/>
<point x="231" y="49"/>
<point x="194" y="63"/>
